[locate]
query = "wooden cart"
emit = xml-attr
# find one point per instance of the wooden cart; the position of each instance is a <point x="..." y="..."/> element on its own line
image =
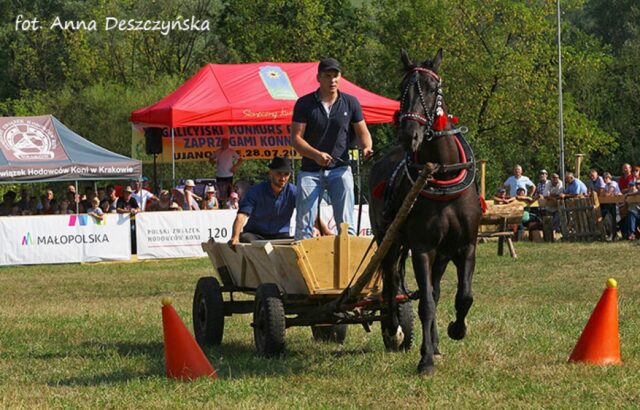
<point x="289" y="280"/>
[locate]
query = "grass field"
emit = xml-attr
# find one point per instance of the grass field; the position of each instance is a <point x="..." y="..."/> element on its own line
<point x="90" y="336"/>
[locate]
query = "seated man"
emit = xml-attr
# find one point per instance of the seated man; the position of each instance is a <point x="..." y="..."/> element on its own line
<point x="267" y="207"/>
<point x="501" y="197"/>
<point x="575" y="187"/>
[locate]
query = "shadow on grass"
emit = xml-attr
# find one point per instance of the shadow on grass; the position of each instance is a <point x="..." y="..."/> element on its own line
<point x="153" y="352"/>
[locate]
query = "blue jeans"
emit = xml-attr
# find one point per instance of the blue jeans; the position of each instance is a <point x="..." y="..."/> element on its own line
<point x="629" y="223"/>
<point x="338" y="183"/>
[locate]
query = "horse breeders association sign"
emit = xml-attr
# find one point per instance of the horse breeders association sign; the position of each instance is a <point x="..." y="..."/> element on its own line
<point x="42" y="149"/>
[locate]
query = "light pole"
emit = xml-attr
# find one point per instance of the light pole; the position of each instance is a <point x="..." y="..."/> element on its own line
<point x="561" y="124"/>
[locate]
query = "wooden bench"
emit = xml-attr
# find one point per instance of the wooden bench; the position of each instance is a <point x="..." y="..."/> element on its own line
<point x="496" y="221"/>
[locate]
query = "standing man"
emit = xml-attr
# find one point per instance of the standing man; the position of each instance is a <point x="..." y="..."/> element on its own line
<point x="141" y="195"/>
<point x="544" y="185"/>
<point x="517" y="180"/>
<point x="625" y="178"/>
<point x="320" y="132"/>
<point x="267" y="207"/>
<point x="225" y="168"/>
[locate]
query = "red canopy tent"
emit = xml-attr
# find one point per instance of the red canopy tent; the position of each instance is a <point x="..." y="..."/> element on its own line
<point x="250" y="94"/>
<point x="248" y="103"/>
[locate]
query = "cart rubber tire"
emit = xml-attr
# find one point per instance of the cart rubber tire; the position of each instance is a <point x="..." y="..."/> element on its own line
<point x="268" y="321"/>
<point x="333" y="333"/>
<point x="609" y="225"/>
<point x="208" y="312"/>
<point x="405" y="317"/>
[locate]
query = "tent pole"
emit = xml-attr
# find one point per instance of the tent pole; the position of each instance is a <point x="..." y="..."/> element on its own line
<point x="76" y="199"/>
<point x="173" y="157"/>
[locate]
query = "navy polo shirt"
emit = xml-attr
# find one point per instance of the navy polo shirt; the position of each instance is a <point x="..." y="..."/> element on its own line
<point x="268" y="214"/>
<point x="330" y="133"/>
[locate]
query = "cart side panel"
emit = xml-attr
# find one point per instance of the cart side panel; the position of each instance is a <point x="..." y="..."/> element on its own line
<point x="317" y="262"/>
<point x="276" y="264"/>
<point x="329" y="263"/>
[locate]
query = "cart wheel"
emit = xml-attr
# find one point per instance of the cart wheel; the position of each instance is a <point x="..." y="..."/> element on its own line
<point x="405" y="316"/>
<point x="208" y="312"/>
<point x="609" y="224"/>
<point x="333" y="333"/>
<point x="269" y="321"/>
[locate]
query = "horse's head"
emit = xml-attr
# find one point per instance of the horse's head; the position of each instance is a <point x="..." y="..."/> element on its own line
<point x="420" y="101"/>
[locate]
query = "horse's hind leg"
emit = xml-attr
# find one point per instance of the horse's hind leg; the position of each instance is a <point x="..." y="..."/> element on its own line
<point x="426" y="309"/>
<point x="437" y="271"/>
<point x="465" y="263"/>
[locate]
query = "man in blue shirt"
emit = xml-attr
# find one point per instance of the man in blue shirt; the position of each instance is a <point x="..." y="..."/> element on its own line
<point x="320" y="132"/>
<point x="574" y="187"/>
<point x="267" y="207"/>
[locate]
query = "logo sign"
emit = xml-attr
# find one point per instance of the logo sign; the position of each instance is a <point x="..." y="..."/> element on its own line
<point x="277" y="83"/>
<point x="27" y="140"/>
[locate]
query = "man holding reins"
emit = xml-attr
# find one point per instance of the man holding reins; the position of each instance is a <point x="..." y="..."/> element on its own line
<point x="320" y="133"/>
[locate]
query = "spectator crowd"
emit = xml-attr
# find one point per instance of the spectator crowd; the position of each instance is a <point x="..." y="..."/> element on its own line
<point x="134" y="198"/>
<point x="624" y="214"/>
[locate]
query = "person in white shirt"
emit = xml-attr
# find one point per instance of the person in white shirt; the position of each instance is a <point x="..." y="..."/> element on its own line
<point x="142" y="196"/>
<point x="544" y="185"/>
<point x="227" y="162"/>
<point x="517" y="180"/>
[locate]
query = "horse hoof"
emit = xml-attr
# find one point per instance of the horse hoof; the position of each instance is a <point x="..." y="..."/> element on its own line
<point x="456" y="331"/>
<point x="397" y="339"/>
<point x="425" y="369"/>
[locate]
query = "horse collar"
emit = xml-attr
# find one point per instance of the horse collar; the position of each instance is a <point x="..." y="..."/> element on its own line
<point x="443" y="189"/>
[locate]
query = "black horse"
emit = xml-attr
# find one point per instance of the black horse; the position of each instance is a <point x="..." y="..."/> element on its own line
<point x="443" y="223"/>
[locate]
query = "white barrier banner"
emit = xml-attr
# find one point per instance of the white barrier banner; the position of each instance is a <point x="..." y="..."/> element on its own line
<point x="64" y="239"/>
<point x="326" y="212"/>
<point x="176" y="234"/>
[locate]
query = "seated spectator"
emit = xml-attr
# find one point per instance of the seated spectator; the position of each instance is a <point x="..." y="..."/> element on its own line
<point x="190" y="198"/>
<point x="63" y="208"/>
<point x="625" y="178"/>
<point x="233" y="202"/>
<point x="636" y="174"/>
<point x="87" y="201"/>
<point x="23" y="203"/>
<point x="501" y="197"/>
<point x="521" y="195"/>
<point x="8" y="203"/>
<point x="112" y="198"/>
<point x="611" y="187"/>
<point x="543" y="186"/>
<point x="630" y="221"/>
<point x="575" y="187"/>
<point x="175" y="207"/>
<point x="210" y="201"/>
<point x="95" y="210"/>
<point x="127" y="204"/>
<point x="267" y="208"/>
<point x="48" y="203"/>
<point x="517" y="180"/>
<point x="556" y="189"/>
<point x="163" y="203"/>
<point x="105" y="206"/>
<point x="596" y="183"/>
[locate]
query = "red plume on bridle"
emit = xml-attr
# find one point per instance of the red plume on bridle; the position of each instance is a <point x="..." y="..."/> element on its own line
<point x="396" y="118"/>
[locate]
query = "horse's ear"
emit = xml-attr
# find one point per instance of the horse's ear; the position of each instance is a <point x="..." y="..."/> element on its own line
<point x="406" y="61"/>
<point x="437" y="60"/>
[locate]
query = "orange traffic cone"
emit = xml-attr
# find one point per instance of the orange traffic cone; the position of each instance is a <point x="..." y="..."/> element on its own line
<point x="184" y="358"/>
<point x="600" y="342"/>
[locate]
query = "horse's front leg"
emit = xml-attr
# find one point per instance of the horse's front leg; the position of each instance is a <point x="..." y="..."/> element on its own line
<point x="465" y="263"/>
<point x="437" y="271"/>
<point x="426" y="309"/>
<point x="391" y="278"/>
